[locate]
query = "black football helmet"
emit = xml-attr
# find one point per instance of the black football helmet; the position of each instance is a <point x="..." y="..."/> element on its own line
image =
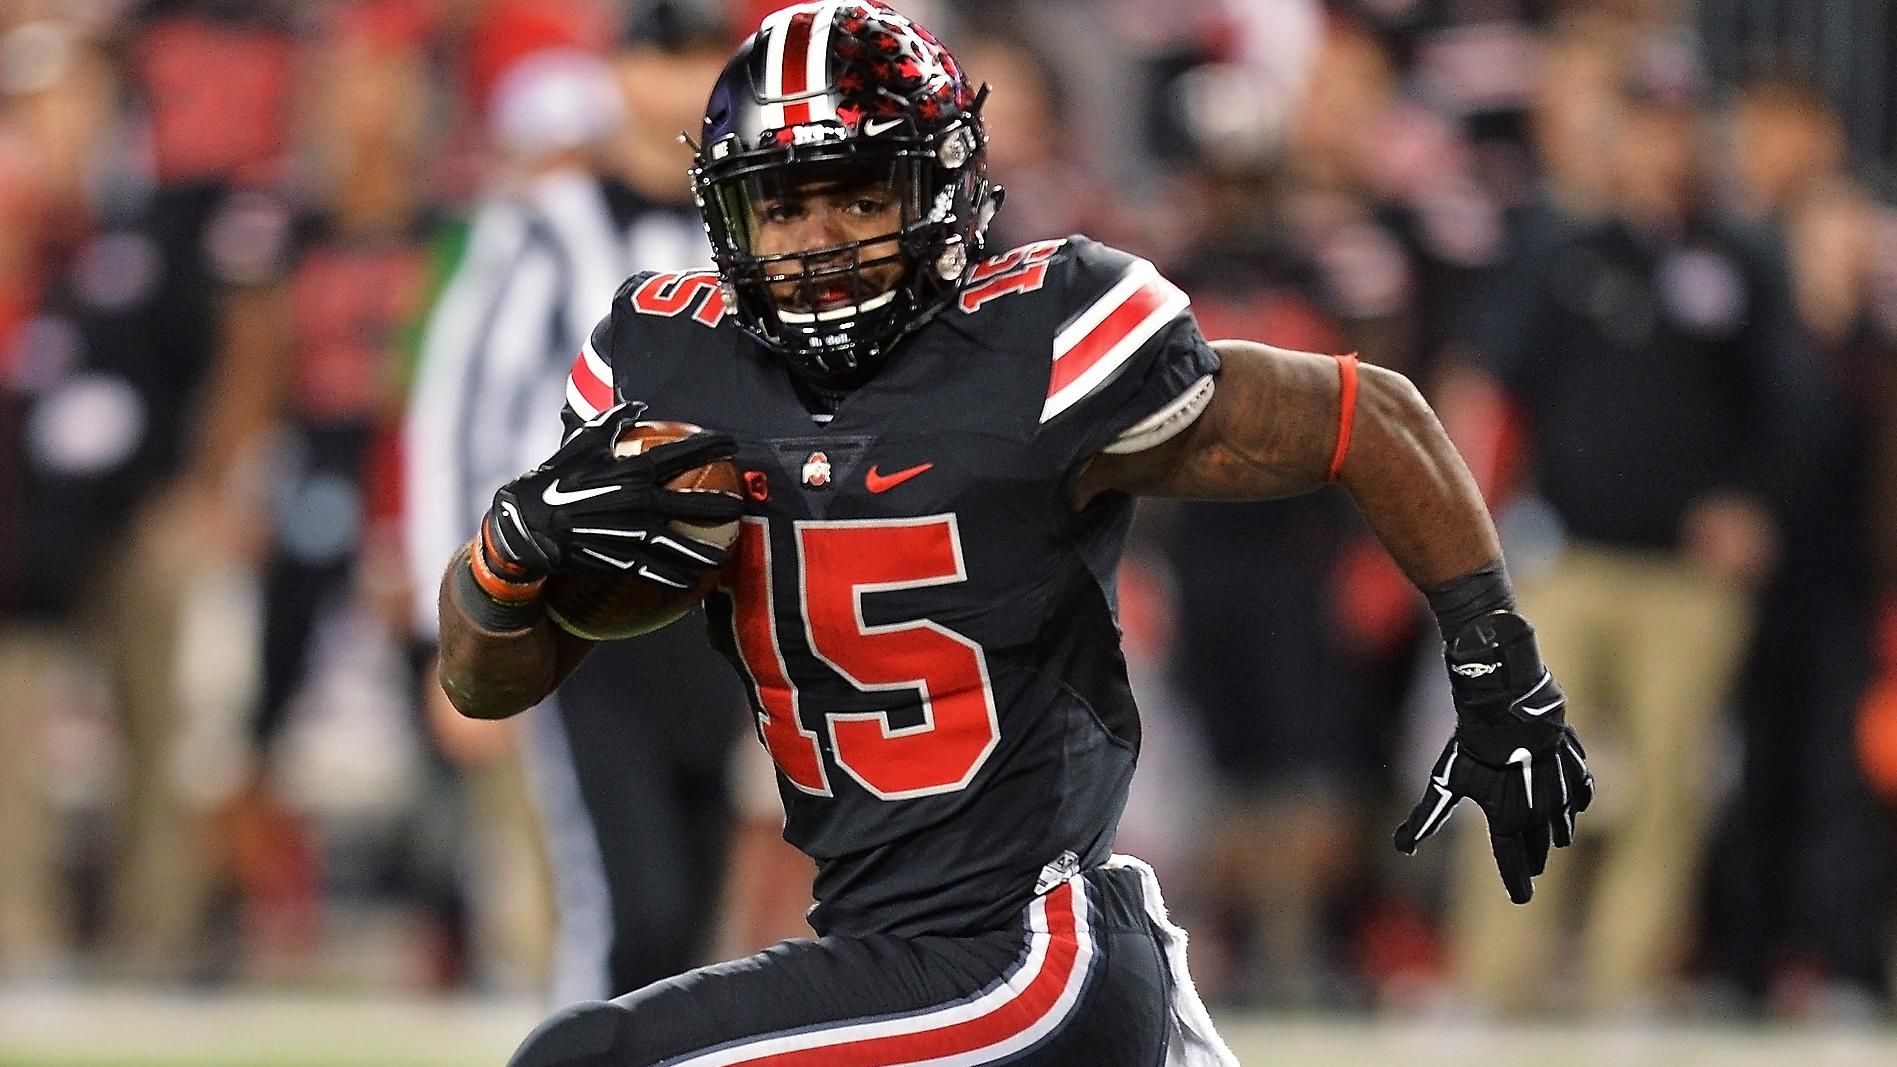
<point x="844" y="91"/>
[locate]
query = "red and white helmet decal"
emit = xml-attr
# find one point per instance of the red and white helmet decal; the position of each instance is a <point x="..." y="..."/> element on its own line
<point x="796" y="65"/>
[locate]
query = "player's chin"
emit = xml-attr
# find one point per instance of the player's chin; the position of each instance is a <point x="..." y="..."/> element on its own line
<point x="793" y="297"/>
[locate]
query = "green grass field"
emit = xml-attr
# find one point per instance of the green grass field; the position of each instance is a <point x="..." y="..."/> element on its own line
<point x="91" y="1029"/>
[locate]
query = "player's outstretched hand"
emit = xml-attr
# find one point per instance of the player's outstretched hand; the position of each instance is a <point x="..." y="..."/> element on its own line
<point x="1512" y="753"/>
<point x="585" y="509"/>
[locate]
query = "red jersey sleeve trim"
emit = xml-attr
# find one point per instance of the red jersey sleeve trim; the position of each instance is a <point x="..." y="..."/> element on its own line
<point x="589" y="389"/>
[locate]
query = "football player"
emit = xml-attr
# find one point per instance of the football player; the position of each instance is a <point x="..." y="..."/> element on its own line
<point x="941" y="451"/>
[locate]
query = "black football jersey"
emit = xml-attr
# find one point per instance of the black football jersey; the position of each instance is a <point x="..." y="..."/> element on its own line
<point x="926" y="625"/>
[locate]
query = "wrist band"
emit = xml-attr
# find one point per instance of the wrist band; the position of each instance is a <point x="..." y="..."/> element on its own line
<point x="482" y="607"/>
<point x="1346" y="412"/>
<point x="1461" y="601"/>
<point x="487" y="573"/>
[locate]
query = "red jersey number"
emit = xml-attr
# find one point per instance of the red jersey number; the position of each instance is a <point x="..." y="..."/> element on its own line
<point x="1023" y="270"/>
<point x="669" y="294"/>
<point x="754" y="622"/>
<point x="840" y="563"/>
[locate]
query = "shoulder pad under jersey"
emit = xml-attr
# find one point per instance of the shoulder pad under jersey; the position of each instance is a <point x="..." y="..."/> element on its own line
<point x="1119" y="340"/>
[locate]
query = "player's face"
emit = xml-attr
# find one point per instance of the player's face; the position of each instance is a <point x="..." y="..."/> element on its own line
<point x="818" y="220"/>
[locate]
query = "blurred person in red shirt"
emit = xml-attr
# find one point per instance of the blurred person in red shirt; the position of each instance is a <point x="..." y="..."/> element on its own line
<point x="358" y="272"/>
<point x="140" y="385"/>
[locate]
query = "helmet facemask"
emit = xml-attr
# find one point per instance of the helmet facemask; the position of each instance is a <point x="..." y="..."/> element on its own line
<point x="825" y="302"/>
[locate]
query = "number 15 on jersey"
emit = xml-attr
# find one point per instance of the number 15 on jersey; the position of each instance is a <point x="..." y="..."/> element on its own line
<point x="917" y="662"/>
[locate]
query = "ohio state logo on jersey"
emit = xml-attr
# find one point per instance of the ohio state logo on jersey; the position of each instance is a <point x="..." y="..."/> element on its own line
<point x="817" y="470"/>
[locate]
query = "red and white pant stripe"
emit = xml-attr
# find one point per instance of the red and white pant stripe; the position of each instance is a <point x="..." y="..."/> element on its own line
<point x="1028" y="1004"/>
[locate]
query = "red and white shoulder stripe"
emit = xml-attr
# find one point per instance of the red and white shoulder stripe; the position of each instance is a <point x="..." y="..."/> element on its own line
<point x="1097" y="343"/>
<point x="589" y="388"/>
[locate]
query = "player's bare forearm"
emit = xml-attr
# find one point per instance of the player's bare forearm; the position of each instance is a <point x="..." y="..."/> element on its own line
<point x="1271" y="431"/>
<point x="491" y="673"/>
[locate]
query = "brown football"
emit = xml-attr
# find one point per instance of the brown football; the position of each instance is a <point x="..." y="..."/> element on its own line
<point x="606" y="607"/>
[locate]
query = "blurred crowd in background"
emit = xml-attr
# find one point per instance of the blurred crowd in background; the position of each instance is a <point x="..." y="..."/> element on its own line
<point x="1640" y="253"/>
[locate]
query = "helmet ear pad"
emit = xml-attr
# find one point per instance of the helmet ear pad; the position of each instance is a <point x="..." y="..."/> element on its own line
<point x="889" y="95"/>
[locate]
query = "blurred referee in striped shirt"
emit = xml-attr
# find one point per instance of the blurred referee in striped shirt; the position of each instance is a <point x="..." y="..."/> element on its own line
<point x="630" y="781"/>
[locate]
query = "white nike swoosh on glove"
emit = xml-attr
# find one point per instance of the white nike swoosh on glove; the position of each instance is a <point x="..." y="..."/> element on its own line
<point x="555" y="496"/>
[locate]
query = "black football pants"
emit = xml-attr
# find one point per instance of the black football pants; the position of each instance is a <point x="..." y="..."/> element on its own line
<point x="1081" y="980"/>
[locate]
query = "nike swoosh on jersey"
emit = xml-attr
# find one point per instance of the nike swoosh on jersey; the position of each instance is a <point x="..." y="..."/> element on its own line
<point x="556" y="497"/>
<point x="882" y="483"/>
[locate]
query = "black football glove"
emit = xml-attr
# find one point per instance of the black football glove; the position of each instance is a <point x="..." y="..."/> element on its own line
<point x="1512" y="753"/>
<point x="584" y="509"/>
